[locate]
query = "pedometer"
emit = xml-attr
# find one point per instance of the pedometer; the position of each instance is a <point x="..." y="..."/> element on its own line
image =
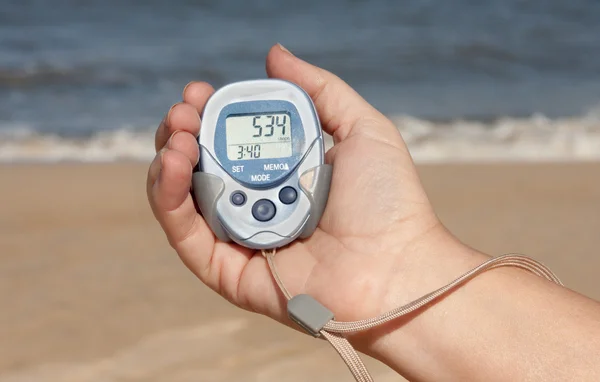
<point x="261" y="180"/>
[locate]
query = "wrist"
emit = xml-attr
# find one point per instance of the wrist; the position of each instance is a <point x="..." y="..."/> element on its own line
<point x="421" y="267"/>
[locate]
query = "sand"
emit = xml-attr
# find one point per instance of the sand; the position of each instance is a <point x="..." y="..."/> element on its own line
<point x="90" y="291"/>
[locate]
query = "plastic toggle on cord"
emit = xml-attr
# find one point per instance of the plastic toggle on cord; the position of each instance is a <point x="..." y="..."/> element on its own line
<point x="317" y="320"/>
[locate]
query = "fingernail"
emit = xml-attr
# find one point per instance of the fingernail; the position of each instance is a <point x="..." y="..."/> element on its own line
<point x="168" y="117"/>
<point x="185" y="88"/>
<point x="284" y="49"/>
<point x="168" y="145"/>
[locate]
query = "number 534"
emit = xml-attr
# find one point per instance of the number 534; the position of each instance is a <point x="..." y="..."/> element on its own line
<point x="274" y="121"/>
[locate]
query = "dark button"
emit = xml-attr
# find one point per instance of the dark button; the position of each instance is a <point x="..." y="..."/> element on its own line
<point x="238" y="198"/>
<point x="288" y="195"/>
<point x="263" y="210"/>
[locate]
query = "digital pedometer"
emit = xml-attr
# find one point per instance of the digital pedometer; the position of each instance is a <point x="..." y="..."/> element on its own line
<point x="261" y="180"/>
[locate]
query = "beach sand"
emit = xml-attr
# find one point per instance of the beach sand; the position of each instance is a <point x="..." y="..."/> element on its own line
<point x="90" y="290"/>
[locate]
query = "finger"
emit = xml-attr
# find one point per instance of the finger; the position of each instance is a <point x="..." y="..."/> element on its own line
<point x="218" y="266"/>
<point x="170" y="197"/>
<point x="197" y="94"/>
<point x="182" y="116"/>
<point x="338" y="105"/>
<point x="173" y="182"/>
<point x="181" y="141"/>
<point x="168" y="187"/>
<point x="153" y="172"/>
<point x="186" y="144"/>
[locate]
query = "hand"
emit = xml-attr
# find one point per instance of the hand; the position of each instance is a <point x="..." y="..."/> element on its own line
<point x="378" y="244"/>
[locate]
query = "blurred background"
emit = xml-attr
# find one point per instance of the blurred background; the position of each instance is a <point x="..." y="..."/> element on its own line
<point x="88" y="80"/>
<point x="498" y="100"/>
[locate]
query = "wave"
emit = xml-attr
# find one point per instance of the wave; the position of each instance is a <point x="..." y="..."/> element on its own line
<point x="25" y="145"/>
<point x="38" y="75"/>
<point x="536" y="138"/>
<point x="44" y="74"/>
<point x="41" y="75"/>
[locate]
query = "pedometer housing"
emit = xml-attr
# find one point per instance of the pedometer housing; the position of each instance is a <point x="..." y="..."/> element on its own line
<point x="261" y="180"/>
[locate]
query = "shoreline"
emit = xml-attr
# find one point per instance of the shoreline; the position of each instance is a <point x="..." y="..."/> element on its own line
<point x="506" y="139"/>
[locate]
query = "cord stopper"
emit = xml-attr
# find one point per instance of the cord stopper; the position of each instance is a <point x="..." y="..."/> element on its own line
<point x="310" y="314"/>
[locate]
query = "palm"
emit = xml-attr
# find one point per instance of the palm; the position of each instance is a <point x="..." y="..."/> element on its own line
<point x="348" y="257"/>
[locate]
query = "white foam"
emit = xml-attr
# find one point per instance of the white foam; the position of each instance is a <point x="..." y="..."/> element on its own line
<point x="506" y="139"/>
<point x="124" y="144"/>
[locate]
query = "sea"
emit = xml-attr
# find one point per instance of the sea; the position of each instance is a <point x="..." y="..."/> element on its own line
<point x="463" y="80"/>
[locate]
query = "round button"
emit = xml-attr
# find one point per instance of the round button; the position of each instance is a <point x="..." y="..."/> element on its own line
<point x="238" y="198"/>
<point x="288" y="195"/>
<point x="263" y="210"/>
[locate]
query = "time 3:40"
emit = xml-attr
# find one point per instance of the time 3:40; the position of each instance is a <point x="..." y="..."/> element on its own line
<point x="248" y="151"/>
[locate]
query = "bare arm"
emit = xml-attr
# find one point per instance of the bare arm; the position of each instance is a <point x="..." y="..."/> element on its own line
<point x="504" y="325"/>
<point x="378" y="245"/>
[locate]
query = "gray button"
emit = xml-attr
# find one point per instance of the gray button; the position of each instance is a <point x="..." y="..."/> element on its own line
<point x="238" y="198"/>
<point x="263" y="210"/>
<point x="288" y="195"/>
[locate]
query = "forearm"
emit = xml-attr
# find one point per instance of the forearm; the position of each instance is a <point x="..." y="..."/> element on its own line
<point x="504" y="325"/>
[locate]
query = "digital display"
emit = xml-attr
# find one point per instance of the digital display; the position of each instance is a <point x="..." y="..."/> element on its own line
<point x="259" y="136"/>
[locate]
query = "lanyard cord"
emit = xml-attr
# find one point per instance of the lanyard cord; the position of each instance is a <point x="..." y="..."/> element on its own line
<point x="337" y="340"/>
<point x="333" y="330"/>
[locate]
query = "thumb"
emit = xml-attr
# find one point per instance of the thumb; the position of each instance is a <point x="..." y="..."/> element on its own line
<point x="340" y="107"/>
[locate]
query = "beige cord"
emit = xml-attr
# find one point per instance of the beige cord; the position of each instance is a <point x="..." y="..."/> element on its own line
<point x="338" y="341"/>
<point x="333" y="330"/>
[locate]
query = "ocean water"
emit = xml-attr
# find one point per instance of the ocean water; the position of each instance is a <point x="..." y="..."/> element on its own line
<point x="462" y="79"/>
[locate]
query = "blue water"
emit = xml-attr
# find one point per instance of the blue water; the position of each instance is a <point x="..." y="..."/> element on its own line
<point x="74" y="68"/>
